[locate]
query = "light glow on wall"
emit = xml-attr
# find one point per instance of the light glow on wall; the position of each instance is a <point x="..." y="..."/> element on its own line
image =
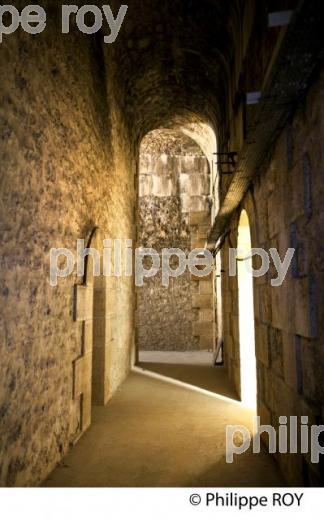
<point x="246" y="314"/>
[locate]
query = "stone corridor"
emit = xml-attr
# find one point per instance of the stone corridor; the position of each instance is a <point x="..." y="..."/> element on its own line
<point x="157" y="434"/>
<point x="199" y="129"/>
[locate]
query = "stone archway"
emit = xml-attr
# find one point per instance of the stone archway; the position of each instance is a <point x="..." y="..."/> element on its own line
<point x="246" y="313"/>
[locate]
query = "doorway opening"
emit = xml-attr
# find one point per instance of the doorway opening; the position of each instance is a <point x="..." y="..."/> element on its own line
<point x="177" y="332"/>
<point x="246" y="314"/>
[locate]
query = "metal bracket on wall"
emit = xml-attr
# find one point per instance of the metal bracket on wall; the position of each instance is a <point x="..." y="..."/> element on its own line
<point x="227" y="159"/>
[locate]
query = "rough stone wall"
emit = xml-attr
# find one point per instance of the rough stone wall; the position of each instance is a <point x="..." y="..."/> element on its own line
<point x="66" y="167"/>
<point x="165" y="315"/>
<point x="67" y="109"/>
<point x="174" y="212"/>
<point x="285" y="210"/>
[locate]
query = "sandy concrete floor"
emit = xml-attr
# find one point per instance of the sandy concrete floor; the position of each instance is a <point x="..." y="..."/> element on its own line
<point x="156" y="434"/>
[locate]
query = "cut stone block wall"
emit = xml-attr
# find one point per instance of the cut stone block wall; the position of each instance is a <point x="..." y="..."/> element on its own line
<point x="285" y="210"/>
<point x="174" y="213"/>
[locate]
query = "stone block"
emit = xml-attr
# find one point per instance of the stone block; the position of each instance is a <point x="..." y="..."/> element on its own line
<point x="184" y="184"/>
<point x="206" y="342"/>
<point x="198" y="244"/>
<point x="163" y="186"/>
<point x="296" y="203"/>
<point x="199" y="185"/>
<point x="276" y="350"/>
<point x="264" y="299"/>
<point x="310" y="371"/>
<point x="198" y="203"/>
<point x="145" y="164"/>
<point x="163" y="165"/>
<point x="262" y="344"/>
<point x="185" y="202"/>
<point x="202" y="165"/>
<point x="200" y="218"/>
<point x="145" y="186"/>
<point x="304" y="324"/>
<point x="289" y="360"/>
<point x="205" y="288"/>
<point x="194" y="287"/>
<point x="83" y="302"/>
<point x="265" y="419"/>
<point x="208" y="278"/>
<point x="202" y="301"/>
<point x="202" y="328"/>
<point x="203" y="232"/>
<point x="82" y="369"/>
<point x="206" y="315"/>
<point x="87" y="337"/>
<point x="188" y="165"/>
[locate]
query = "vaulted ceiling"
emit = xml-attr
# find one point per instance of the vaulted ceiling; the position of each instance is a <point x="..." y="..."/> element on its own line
<point x="173" y="59"/>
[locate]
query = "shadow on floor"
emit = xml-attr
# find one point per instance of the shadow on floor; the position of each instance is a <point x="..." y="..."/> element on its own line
<point x="211" y="378"/>
<point x="156" y="434"/>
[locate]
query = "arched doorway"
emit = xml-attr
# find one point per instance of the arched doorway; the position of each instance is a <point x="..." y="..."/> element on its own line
<point x="246" y="314"/>
<point x="175" y="322"/>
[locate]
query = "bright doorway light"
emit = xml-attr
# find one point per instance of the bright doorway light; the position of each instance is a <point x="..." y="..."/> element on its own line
<point x="246" y="314"/>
